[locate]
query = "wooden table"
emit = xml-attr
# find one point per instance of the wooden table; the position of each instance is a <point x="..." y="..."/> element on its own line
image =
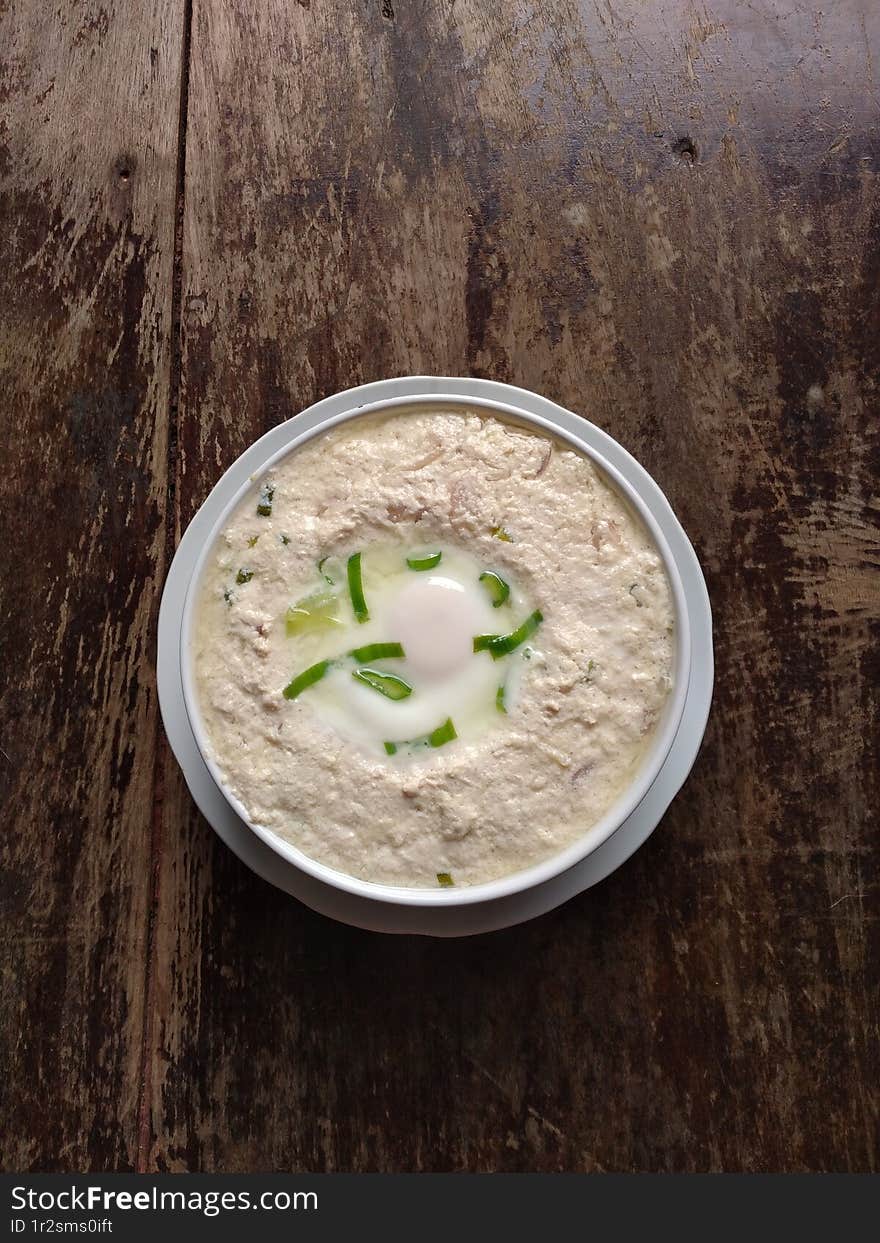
<point x="664" y="214"/>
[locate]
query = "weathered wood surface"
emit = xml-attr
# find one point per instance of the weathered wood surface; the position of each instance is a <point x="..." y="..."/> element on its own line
<point x="88" y="147"/>
<point x="666" y="216"/>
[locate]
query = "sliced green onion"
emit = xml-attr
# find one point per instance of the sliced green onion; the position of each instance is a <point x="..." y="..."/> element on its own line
<point x="437" y="738"/>
<point x="244" y="576"/>
<point x="376" y="651"/>
<point x="501" y="644"/>
<point x="285" y="539"/>
<point x="314" y="612"/>
<point x="499" y="699"/>
<point x="500" y="533"/>
<point x="497" y="588"/>
<point x="253" y="541"/>
<point x="442" y="734"/>
<point x="227" y="595"/>
<point x="264" y="506"/>
<point x="424" y="563"/>
<point x="307" y="678"/>
<point x="444" y="880"/>
<point x="356" y="588"/>
<point x="387" y="684"/>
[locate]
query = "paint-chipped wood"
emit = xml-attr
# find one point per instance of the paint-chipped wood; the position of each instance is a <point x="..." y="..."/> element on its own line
<point x="88" y="140"/>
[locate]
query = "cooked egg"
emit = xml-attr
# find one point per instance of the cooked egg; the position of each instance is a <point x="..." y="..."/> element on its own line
<point x="391" y="704"/>
<point x="435" y="620"/>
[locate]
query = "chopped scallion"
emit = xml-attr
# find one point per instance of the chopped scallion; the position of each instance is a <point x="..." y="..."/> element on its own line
<point x="264" y="505"/>
<point x="376" y="651"/>
<point x="424" y="563"/>
<point x="499" y="645"/>
<point x="356" y="588"/>
<point x="253" y="541"/>
<point x="445" y="881"/>
<point x="437" y="738"/>
<point x="314" y="612"/>
<point x="497" y="588"/>
<point x="499" y="699"/>
<point x="307" y="678"/>
<point x="442" y="734"/>
<point x="500" y="533"/>
<point x="387" y="684"/>
<point x="244" y="576"/>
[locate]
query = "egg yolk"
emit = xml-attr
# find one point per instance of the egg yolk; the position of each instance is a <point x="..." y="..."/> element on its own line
<point x="436" y="619"/>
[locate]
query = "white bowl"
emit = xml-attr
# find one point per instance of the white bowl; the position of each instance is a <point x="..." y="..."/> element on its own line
<point x="564" y="426"/>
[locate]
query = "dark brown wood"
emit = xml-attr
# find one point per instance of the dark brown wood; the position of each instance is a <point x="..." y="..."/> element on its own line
<point x="665" y="216"/>
<point x="88" y="139"/>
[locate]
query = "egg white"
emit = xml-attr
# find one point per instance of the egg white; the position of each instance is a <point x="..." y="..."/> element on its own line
<point x="435" y="615"/>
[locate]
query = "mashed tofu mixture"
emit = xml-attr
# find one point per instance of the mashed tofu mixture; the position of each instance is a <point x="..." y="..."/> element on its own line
<point x="430" y="648"/>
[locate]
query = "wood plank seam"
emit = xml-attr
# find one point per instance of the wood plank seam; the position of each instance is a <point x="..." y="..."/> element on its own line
<point x="160" y="752"/>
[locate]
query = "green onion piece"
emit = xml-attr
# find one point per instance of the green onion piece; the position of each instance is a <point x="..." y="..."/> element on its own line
<point x="499" y="699"/>
<point x="244" y="576"/>
<point x="264" y="506"/>
<point x="497" y="588"/>
<point x="356" y="588"/>
<point x="253" y="541"/>
<point x="501" y="644"/>
<point x="444" y="880"/>
<point x="500" y="533"/>
<point x="285" y="539"/>
<point x="307" y="678"/>
<point x="376" y="651"/>
<point x="314" y="612"/>
<point x="424" y="563"/>
<point x="387" y="684"/>
<point x="442" y="734"/>
<point x="227" y="595"/>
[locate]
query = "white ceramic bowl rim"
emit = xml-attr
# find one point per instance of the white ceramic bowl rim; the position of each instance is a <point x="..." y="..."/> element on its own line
<point x="629" y="798"/>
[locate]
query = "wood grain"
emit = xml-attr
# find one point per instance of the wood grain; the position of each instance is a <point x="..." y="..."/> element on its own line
<point x="666" y="217"/>
<point x="88" y="141"/>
